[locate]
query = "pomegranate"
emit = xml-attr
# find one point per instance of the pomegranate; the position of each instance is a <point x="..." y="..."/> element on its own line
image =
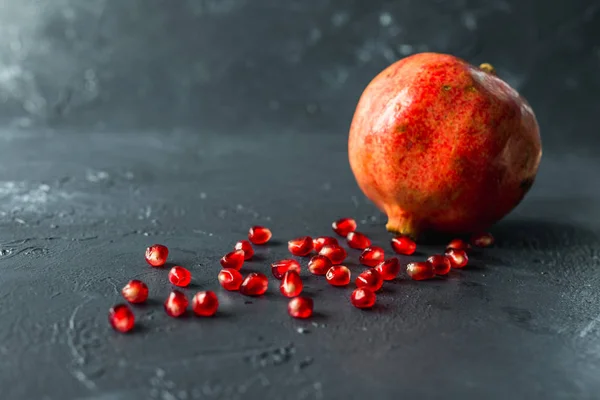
<point x="441" y="145"/>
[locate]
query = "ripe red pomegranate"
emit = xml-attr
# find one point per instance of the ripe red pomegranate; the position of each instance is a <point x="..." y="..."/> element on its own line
<point x="441" y="145"/>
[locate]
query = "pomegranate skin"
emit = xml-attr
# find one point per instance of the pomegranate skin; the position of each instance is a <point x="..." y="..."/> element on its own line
<point x="438" y="144"/>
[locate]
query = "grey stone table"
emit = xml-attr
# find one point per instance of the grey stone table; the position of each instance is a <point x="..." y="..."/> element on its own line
<point x="522" y="321"/>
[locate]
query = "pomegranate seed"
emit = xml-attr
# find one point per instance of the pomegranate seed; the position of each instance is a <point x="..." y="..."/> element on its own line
<point x="441" y="264"/>
<point x="370" y="279"/>
<point x="300" y="307"/>
<point x="344" y="226"/>
<point x="205" y="304"/>
<point x="388" y="269"/>
<point x="458" y="244"/>
<point x="255" y="284"/>
<point x="420" y="270"/>
<point x="319" y="265"/>
<point x="176" y="304"/>
<point x="321" y="241"/>
<point x="458" y="258"/>
<point x="247" y="247"/>
<point x="279" y="268"/>
<point x="338" y="275"/>
<point x="135" y="291"/>
<point x="482" y="240"/>
<point x="121" y="318"/>
<point x="300" y="246"/>
<point x="230" y="279"/>
<point x="234" y="259"/>
<point x="291" y="284"/>
<point x="336" y="254"/>
<point x="358" y="240"/>
<point x="259" y="235"/>
<point x="404" y="245"/>
<point x="372" y="256"/>
<point x="180" y="276"/>
<point x="363" y="298"/>
<point x="156" y="255"/>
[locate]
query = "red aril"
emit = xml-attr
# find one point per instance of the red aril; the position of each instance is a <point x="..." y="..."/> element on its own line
<point x="259" y="235"/>
<point x="255" y="284"/>
<point x="156" y="255"/>
<point x="180" y="276"/>
<point x="246" y="247"/>
<point x="363" y="298"/>
<point x="458" y="258"/>
<point x="291" y="284"/>
<point x="336" y="254"/>
<point x="279" y="268"/>
<point x="230" y="279"/>
<point x="121" y="318"/>
<point x="344" y="226"/>
<point x="319" y="265"/>
<point x="135" y="291"/>
<point x="370" y="279"/>
<point x="482" y="240"/>
<point x="234" y="259"/>
<point x="404" y="245"/>
<point x="176" y="304"/>
<point x="321" y="241"/>
<point x="301" y="246"/>
<point x="358" y="240"/>
<point x="338" y="275"/>
<point x="388" y="269"/>
<point x="458" y="244"/>
<point x="372" y="256"/>
<point x="300" y="307"/>
<point x="205" y="304"/>
<point x="441" y="264"/>
<point x="419" y="271"/>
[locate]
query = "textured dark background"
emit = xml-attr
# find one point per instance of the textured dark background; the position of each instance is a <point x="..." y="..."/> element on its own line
<point x="129" y="122"/>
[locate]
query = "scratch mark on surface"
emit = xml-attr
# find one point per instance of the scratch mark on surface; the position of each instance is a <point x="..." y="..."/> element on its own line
<point x="588" y="328"/>
<point x="78" y="357"/>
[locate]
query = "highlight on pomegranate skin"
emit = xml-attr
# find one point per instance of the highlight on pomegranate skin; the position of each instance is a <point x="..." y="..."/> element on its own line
<point x="441" y="264"/>
<point x="121" y="318"/>
<point x="358" y="240"/>
<point x="344" y="226"/>
<point x="246" y="247"/>
<point x="321" y="241"/>
<point x="336" y="254"/>
<point x="370" y="279"/>
<point x="255" y="284"/>
<point x="291" y="284"/>
<point x="135" y="291"/>
<point x="301" y="246"/>
<point x="420" y="271"/>
<point x="230" y="279"/>
<point x="458" y="258"/>
<point x="319" y="265"/>
<point x="279" y="268"/>
<point x="372" y="256"/>
<point x="176" y="304"/>
<point x="156" y="255"/>
<point x="180" y="276"/>
<point x="300" y="307"/>
<point x="389" y="269"/>
<point x="363" y="298"/>
<point x="234" y="259"/>
<point x="404" y="245"/>
<point x="338" y="275"/>
<point x="259" y="235"/>
<point x="205" y="304"/>
<point x="482" y="240"/>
